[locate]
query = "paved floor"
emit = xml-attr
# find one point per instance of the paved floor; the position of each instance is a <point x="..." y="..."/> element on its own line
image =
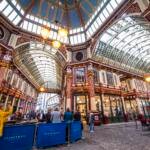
<point x="112" y="137"/>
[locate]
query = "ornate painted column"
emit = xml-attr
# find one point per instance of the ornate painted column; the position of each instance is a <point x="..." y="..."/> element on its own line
<point x="139" y="104"/>
<point x="123" y="104"/>
<point x="69" y="78"/>
<point x="91" y="90"/>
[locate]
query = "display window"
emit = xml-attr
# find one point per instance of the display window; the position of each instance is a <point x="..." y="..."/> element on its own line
<point x="79" y="75"/>
<point x="110" y="80"/>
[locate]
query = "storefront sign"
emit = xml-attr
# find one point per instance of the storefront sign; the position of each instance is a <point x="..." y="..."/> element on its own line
<point x="18" y="137"/>
<point x="51" y="134"/>
<point x="75" y="131"/>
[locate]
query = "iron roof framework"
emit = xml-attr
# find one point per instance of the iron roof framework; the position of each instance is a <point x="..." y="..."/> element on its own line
<point x="41" y="63"/>
<point x="126" y="44"/>
<point x="90" y="14"/>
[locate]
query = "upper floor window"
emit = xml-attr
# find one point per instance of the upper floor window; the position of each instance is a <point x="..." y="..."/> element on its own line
<point x="96" y="76"/>
<point x="9" y="76"/>
<point x="79" y="75"/>
<point x="110" y="80"/>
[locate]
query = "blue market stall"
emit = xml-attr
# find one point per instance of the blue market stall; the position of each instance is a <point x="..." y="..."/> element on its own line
<point x="24" y="136"/>
<point x="51" y="134"/>
<point x="18" y="137"/>
<point x="75" y="131"/>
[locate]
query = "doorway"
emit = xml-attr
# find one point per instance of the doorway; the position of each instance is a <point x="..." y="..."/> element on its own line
<point x="81" y="104"/>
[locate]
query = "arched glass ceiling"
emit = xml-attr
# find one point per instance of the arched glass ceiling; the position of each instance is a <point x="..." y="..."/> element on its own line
<point x="41" y="63"/>
<point x="92" y="14"/>
<point x="126" y="44"/>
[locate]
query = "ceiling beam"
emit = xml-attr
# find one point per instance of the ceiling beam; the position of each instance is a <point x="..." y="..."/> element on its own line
<point x="67" y="17"/>
<point x="79" y="12"/>
<point x="27" y="11"/>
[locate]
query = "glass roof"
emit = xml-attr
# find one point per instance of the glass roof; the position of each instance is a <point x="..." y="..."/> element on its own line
<point x="128" y="44"/>
<point x="81" y="17"/>
<point x="42" y="63"/>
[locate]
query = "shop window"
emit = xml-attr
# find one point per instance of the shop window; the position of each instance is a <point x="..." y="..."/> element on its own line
<point x="9" y="76"/>
<point x="115" y="79"/>
<point x="129" y="84"/>
<point x="15" y="80"/>
<point x="103" y="76"/>
<point x="110" y="80"/>
<point x="25" y="87"/>
<point x="20" y="84"/>
<point x="96" y="76"/>
<point x="80" y="75"/>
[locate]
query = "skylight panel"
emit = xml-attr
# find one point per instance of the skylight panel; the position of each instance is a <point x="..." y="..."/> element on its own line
<point x="88" y="34"/>
<point x="16" y="20"/>
<point x="18" y="7"/>
<point x="106" y="13"/>
<point x="30" y="25"/>
<point x="83" y="37"/>
<point x="75" y="39"/>
<point x="12" y="15"/>
<point x="109" y="8"/>
<point x="32" y="17"/>
<point x="34" y="28"/>
<point x="51" y="34"/>
<point x="96" y="24"/>
<point x="14" y="2"/>
<point x="102" y="17"/>
<point x="119" y="1"/>
<point x="54" y="35"/>
<point x="36" y="19"/>
<point x="71" y="40"/>
<point x="39" y="30"/>
<point x="40" y="21"/>
<point x="113" y="3"/>
<point x="7" y="10"/>
<point x="3" y="4"/>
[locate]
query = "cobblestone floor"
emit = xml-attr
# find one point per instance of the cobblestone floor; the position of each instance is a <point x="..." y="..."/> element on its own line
<point x="112" y="137"/>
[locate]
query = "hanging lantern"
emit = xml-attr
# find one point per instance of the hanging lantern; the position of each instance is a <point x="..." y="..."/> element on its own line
<point x="45" y="32"/>
<point x="62" y="32"/>
<point x="56" y="44"/>
<point x="42" y="89"/>
<point x="147" y="77"/>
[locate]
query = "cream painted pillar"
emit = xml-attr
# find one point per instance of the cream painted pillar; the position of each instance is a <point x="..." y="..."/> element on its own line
<point x="139" y="106"/>
<point x="18" y="105"/>
<point x="0" y="96"/>
<point x="69" y="56"/>
<point x="123" y="103"/>
<point x="18" y="80"/>
<point x="12" y="78"/>
<point x="132" y="84"/>
<point x="91" y="89"/>
<point x="68" y="89"/>
<point x="89" y="54"/>
<point x="93" y="104"/>
<point x="13" y="102"/>
<point x="143" y="4"/>
<point x="6" y="101"/>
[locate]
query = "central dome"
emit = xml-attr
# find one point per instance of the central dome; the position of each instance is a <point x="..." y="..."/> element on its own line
<point x="70" y="13"/>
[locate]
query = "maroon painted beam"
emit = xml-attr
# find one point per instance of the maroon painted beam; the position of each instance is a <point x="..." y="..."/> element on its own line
<point x="27" y="11"/>
<point x="79" y="13"/>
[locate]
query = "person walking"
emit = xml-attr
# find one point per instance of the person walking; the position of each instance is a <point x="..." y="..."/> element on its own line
<point x="77" y="116"/>
<point x="91" y="122"/>
<point x="48" y="116"/>
<point x="68" y="117"/>
<point x="56" y="116"/>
